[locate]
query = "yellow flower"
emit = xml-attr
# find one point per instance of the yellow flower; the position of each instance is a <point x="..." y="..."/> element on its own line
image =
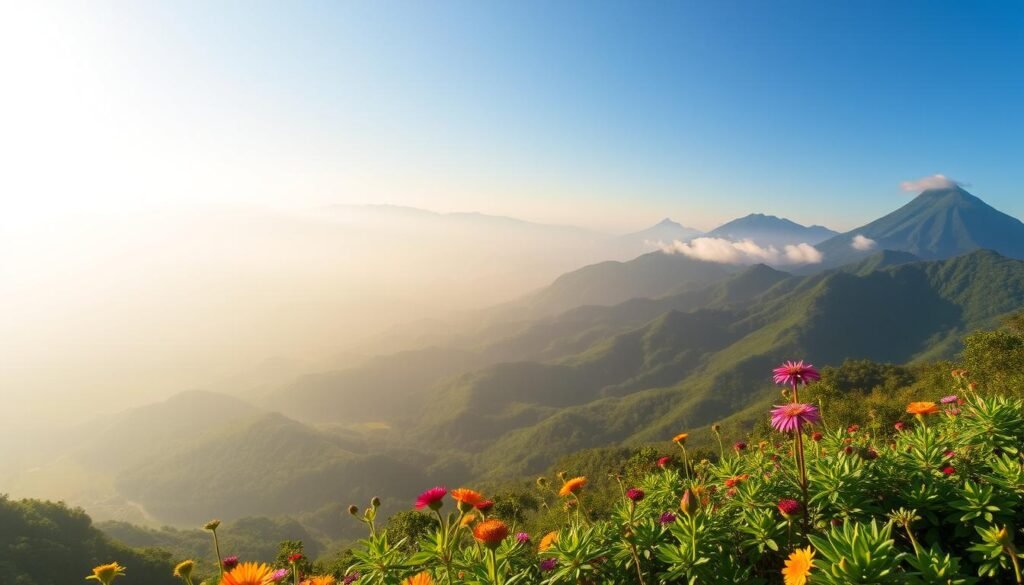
<point x="467" y="520"/>
<point x="249" y="574"/>
<point x="420" y="579"/>
<point x="922" y="408"/>
<point x="573" y="486"/>
<point x="681" y="438"/>
<point x="798" y="566"/>
<point x="184" y="569"/>
<point x="106" y="573"/>
<point x="547" y="540"/>
<point x="321" y="580"/>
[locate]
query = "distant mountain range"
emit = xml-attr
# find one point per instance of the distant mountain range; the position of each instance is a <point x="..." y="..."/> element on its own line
<point x="768" y="230"/>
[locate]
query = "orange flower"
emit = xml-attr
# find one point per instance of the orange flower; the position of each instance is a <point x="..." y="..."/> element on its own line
<point x="547" y="540"/>
<point x="490" y="533"/>
<point x="798" y="566"/>
<point x="423" y="578"/>
<point x="680" y="438"/>
<point x="573" y="486"/>
<point x="736" y="480"/>
<point x="466" y="499"/>
<point x="249" y="574"/>
<point x="922" y="408"/>
<point x="320" y="580"/>
<point x="467" y="520"/>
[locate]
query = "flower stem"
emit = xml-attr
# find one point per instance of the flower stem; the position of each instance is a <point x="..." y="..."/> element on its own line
<point x="216" y="547"/>
<point x="686" y="463"/>
<point x="1016" y="567"/>
<point x="693" y="536"/>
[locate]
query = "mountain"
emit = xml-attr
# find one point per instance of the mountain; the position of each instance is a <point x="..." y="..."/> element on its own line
<point x="684" y="369"/>
<point x="666" y="231"/>
<point x="937" y="224"/>
<point x="769" y="230"/>
<point x="607" y="283"/>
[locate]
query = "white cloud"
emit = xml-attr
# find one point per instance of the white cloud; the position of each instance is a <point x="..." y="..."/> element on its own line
<point x="930" y="182"/>
<point x="863" y="243"/>
<point x="726" y="251"/>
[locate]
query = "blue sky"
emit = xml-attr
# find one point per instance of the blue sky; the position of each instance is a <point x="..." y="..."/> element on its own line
<point x="610" y="115"/>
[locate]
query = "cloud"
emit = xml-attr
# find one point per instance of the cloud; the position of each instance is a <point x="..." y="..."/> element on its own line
<point x="863" y="243"/>
<point x="931" y="182"/>
<point x="726" y="251"/>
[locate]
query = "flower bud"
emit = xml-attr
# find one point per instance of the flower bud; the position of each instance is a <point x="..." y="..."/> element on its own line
<point x="375" y="502"/>
<point x="354" y="510"/>
<point x="689" y="504"/>
<point x="212" y="525"/>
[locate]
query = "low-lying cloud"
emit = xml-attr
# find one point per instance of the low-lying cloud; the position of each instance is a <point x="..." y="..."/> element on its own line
<point x="930" y="182"/>
<point x="726" y="251"/>
<point x="863" y="243"/>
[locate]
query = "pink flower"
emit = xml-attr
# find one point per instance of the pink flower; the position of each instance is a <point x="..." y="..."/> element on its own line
<point x="432" y="498"/>
<point x="230" y="562"/>
<point x="791" y="417"/>
<point x="667" y="518"/>
<point x="278" y="575"/>
<point x="635" y="494"/>
<point x="789" y="508"/>
<point x="548" y="564"/>
<point x="900" y="425"/>
<point x="951" y="399"/>
<point x="522" y="537"/>
<point x="791" y="373"/>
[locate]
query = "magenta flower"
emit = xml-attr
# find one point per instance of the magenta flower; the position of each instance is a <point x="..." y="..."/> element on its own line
<point x="790" y="508"/>
<point x="635" y="494"/>
<point x="791" y="417"/>
<point x="667" y="518"/>
<point x="432" y="498"/>
<point x="548" y="564"/>
<point x="664" y="462"/>
<point x="899" y="425"/>
<point x="792" y="373"/>
<point x="278" y="575"/>
<point x="951" y="399"/>
<point x="522" y="537"/>
<point x="739" y="445"/>
<point x="351" y="578"/>
<point x="230" y="562"/>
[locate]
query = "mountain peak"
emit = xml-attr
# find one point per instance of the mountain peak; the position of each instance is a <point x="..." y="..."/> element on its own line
<point x="668" y="222"/>
<point x="771" y="230"/>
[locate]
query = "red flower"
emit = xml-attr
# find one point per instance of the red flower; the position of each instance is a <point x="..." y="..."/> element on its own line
<point x="432" y="498"/>
<point x="664" y="462"/>
<point x="948" y="470"/>
<point x="816" y="436"/>
<point x="635" y="494"/>
<point x="900" y="425"/>
<point x="485" y="506"/>
<point x="790" y="508"/>
<point x="847" y="449"/>
<point x="739" y="446"/>
<point x="294" y="558"/>
<point x="852" y="429"/>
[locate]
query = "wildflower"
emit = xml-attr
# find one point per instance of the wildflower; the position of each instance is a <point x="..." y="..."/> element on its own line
<point x="798" y="566"/>
<point x="949" y="470"/>
<point x="351" y="578"/>
<point x="853" y="428"/>
<point x="423" y="578"/>
<point x="664" y="462"/>
<point x="106" y="573"/>
<point x="467" y="498"/>
<point x="183" y="570"/>
<point x="739" y="446"/>
<point x="248" y="574"/>
<point x="922" y="408"/>
<point x="953" y="411"/>
<point x="320" y="580"/>
<point x="432" y="498"/>
<point x="375" y="502"/>
<point x="522" y="538"/>
<point x="635" y="494"/>
<point x="547" y="540"/>
<point x="791" y="417"/>
<point x="667" y="518"/>
<point x="716" y="428"/>
<point x="680" y="439"/>
<point x="467" y="520"/>
<point x="689" y="503"/>
<point x="900" y="426"/>
<point x="789" y="508"/>
<point x="278" y="575"/>
<point x="951" y="399"/>
<point x="573" y="486"/>
<point x="230" y="562"/>
<point x="870" y="454"/>
<point x="490" y="533"/>
<point x="848" y="449"/>
<point x="736" y="480"/>
<point x="792" y="373"/>
<point x="949" y="454"/>
<point x="817" y="437"/>
<point x="972" y="386"/>
<point x="548" y="564"/>
<point x="353" y="509"/>
<point x="212" y="525"/>
<point x="485" y="506"/>
<point x="294" y="558"/>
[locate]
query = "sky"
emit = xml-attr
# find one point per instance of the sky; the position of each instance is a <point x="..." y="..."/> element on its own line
<point x="608" y="115"/>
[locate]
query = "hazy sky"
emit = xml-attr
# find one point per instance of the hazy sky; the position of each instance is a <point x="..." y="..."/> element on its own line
<point x="608" y="115"/>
